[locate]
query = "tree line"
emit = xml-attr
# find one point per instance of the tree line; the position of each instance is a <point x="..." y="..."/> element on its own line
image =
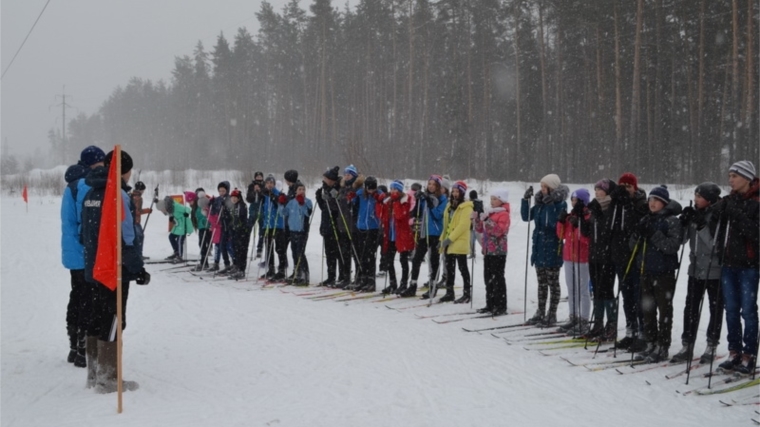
<point x="497" y="89"/>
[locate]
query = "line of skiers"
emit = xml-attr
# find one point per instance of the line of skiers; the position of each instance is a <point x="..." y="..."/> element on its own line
<point x="621" y="233"/>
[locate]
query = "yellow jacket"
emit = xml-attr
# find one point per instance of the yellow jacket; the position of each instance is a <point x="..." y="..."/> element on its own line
<point x="456" y="228"/>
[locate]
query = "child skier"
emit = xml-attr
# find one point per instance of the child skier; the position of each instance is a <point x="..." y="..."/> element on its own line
<point x="493" y="224"/>
<point x="298" y="214"/>
<point x="456" y="241"/>
<point x="239" y="233"/>
<point x="575" y="255"/>
<point x="397" y="234"/>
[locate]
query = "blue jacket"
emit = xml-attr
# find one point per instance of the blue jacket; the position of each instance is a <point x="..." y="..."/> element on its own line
<point x="367" y="218"/>
<point x="72" y="251"/>
<point x="547" y="247"/>
<point x="271" y="212"/>
<point x="431" y="216"/>
<point x="298" y="215"/>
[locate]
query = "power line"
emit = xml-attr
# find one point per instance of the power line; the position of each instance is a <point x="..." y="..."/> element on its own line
<point x="25" y="38"/>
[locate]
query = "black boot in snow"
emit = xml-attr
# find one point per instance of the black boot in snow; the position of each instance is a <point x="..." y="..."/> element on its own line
<point x="448" y="297"/>
<point x="410" y="291"/>
<point x="390" y="289"/>
<point x="464" y="299"/>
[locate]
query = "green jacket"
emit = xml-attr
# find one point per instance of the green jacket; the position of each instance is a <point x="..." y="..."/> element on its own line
<point x="182" y="223"/>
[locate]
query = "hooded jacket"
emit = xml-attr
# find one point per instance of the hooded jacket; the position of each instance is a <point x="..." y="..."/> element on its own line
<point x="456" y="226"/>
<point x="547" y="247"/>
<point x="702" y="255"/>
<point x="72" y="251"/>
<point x="365" y="207"/>
<point x="395" y="218"/>
<point x="494" y="230"/>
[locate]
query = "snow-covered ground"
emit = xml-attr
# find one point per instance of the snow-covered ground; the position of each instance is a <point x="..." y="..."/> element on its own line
<point x="230" y="354"/>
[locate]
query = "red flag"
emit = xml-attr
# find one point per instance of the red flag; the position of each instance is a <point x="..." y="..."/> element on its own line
<point x="107" y="259"/>
<point x="25" y="194"/>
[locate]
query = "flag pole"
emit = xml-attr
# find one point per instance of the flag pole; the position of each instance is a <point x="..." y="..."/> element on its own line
<point x="119" y="314"/>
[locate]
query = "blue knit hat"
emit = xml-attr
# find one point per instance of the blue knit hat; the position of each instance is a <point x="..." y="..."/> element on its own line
<point x="660" y="193"/>
<point x="91" y="155"/>
<point x="351" y="169"/>
<point x="582" y="194"/>
<point x="397" y="185"/>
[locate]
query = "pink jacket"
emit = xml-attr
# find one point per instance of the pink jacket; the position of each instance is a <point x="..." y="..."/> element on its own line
<point x="576" y="244"/>
<point x="216" y="228"/>
<point x="494" y="230"/>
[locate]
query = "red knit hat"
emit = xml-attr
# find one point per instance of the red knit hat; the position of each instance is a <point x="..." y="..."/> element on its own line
<point x="629" y="178"/>
<point x="461" y="186"/>
<point x="235" y="193"/>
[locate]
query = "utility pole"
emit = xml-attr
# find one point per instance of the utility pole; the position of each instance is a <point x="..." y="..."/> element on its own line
<point x="63" y="105"/>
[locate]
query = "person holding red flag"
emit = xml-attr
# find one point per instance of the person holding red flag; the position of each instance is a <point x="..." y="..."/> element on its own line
<point x="99" y="239"/>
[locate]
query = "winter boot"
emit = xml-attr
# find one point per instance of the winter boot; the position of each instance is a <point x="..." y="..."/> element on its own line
<point x="448" y="297"/>
<point x="172" y="257"/>
<point x="237" y="275"/>
<point x="390" y="289"/>
<point x="465" y="298"/>
<point x="571" y="322"/>
<point x="106" y="381"/>
<point x="215" y="267"/>
<point x="637" y="345"/>
<point x="683" y="354"/>
<point x="537" y="319"/>
<point x="329" y="282"/>
<point x="401" y="288"/>
<point x="92" y="360"/>
<point x="709" y="354"/>
<point x="658" y="355"/>
<point x="279" y="277"/>
<point x="550" y="319"/>
<point x="609" y="334"/>
<point x="642" y="356"/>
<point x="595" y="331"/>
<point x="80" y="361"/>
<point x="485" y="310"/>
<point x="734" y="359"/>
<point x="498" y="311"/>
<point x="224" y="271"/>
<point x="426" y="295"/>
<point x="747" y="364"/>
<point x="410" y="291"/>
<point x="626" y="341"/>
<point x="368" y="285"/>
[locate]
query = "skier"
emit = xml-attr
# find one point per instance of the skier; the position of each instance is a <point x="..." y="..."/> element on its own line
<point x="547" y="248"/>
<point x="456" y="241"/>
<point x="428" y="226"/>
<point x="736" y="220"/>
<point x="239" y="233"/>
<point x="254" y="198"/>
<point x="297" y="214"/>
<point x="199" y="218"/>
<point x="493" y="224"/>
<point x="328" y="228"/>
<point x="659" y="237"/>
<point x="365" y="204"/>
<point x="704" y="274"/>
<point x="397" y="235"/>
<point x="575" y="256"/>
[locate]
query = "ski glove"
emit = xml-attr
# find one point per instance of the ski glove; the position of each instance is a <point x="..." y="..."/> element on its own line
<point x="687" y="215"/>
<point x="283" y="199"/>
<point x="528" y="193"/>
<point x="301" y="199"/>
<point x="445" y="243"/>
<point x="143" y="278"/>
<point x="334" y="193"/>
<point x="562" y="217"/>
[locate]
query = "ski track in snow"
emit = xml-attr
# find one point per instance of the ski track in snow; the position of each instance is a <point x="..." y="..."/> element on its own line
<point x="229" y="354"/>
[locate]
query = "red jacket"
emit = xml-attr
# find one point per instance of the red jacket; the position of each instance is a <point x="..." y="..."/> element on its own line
<point x="576" y="244"/>
<point x="398" y="212"/>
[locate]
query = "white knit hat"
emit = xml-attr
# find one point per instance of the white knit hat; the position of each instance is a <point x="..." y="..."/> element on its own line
<point x="501" y="194"/>
<point x="552" y="181"/>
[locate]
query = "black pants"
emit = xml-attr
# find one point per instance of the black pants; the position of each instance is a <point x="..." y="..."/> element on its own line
<point x="102" y="305"/>
<point x="224" y="247"/>
<point x="277" y="243"/>
<point x="451" y="263"/>
<point x="387" y="264"/>
<point x="366" y="241"/>
<point x="419" y="255"/>
<point x="344" y="266"/>
<point x="240" y="249"/>
<point x="691" y="314"/>
<point x="75" y="307"/>
<point x="603" y="278"/>
<point x="332" y="255"/>
<point x="657" y="296"/>
<point x="496" y="284"/>
<point x="204" y="241"/>
<point x="298" y="246"/>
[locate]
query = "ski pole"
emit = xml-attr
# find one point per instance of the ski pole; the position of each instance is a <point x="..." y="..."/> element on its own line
<point x="350" y="240"/>
<point x="720" y="284"/>
<point x="302" y="254"/>
<point x="155" y="197"/>
<point x="620" y="287"/>
<point x="527" y="247"/>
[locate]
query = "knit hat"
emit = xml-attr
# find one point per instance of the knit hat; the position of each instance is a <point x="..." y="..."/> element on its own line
<point x="332" y="174"/>
<point x="382" y="188"/>
<point x="416" y="186"/>
<point x="629" y="178"/>
<point x="552" y="181"/>
<point x="190" y="196"/>
<point x="91" y="155"/>
<point x="709" y="191"/>
<point x="473" y="195"/>
<point x="501" y="194"/>
<point x="235" y="193"/>
<point x="397" y="185"/>
<point x="606" y="185"/>
<point x="446" y="182"/>
<point x="126" y="161"/>
<point x="582" y="194"/>
<point x="258" y="173"/>
<point x="291" y="175"/>
<point x="437" y="179"/>
<point x="461" y="186"/>
<point x="660" y="193"/>
<point x="351" y="170"/>
<point x="370" y="183"/>
<point x="744" y="168"/>
<point x="270" y="178"/>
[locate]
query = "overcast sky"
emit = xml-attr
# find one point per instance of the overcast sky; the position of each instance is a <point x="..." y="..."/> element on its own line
<point x="92" y="46"/>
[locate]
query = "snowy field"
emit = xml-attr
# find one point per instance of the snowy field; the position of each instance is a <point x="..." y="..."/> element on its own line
<point x="218" y="353"/>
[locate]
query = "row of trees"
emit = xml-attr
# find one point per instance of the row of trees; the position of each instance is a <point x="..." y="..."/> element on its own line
<point x="499" y="89"/>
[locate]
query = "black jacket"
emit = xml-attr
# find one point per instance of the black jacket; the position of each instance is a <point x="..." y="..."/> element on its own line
<point x="656" y="239"/>
<point x="626" y="211"/>
<point x="597" y="227"/>
<point x="739" y="213"/>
